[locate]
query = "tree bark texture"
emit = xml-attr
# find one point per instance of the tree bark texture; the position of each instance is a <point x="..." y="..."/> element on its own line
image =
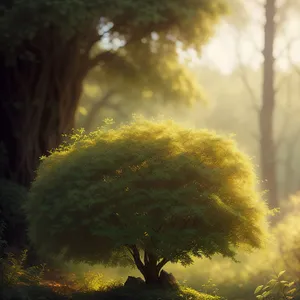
<point x="38" y="102"/>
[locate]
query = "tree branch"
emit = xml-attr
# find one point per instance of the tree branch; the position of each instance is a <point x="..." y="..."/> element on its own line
<point x="95" y="108"/>
<point x="253" y="97"/>
<point x="137" y="258"/>
<point x="146" y="257"/>
<point x="162" y="263"/>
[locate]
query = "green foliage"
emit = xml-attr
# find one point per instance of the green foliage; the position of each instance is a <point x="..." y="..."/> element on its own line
<point x="121" y="292"/>
<point x="142" y="83"/>
<point x="276" y="288"/>
<point x="210" y="288"/>
<point x="146" y="69"/>
<point x="3" y="242"/>
<point x="12" y="196"/>
<point x="25" y="21"/>
<point x="144" y="184"/>
<point x="94" y="281"/>
<point x="15" y="272"/>
<point x="238" y="281"/>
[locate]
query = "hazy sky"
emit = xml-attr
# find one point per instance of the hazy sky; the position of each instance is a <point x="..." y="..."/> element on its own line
<point x="222" y="49"/>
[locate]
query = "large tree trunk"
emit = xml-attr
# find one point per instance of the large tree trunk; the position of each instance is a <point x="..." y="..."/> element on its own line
<point x="267" y="146"/>
<point x="38" y="103"/>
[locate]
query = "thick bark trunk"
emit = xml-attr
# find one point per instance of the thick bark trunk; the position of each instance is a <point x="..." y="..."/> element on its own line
<point x="33" y="129"/>
<point x="38" y="103"/>
<point x="267" y="146"/>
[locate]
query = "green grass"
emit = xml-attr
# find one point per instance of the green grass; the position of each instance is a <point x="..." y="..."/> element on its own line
<point x="115" y="293"/>
<point x="124" y="293"/>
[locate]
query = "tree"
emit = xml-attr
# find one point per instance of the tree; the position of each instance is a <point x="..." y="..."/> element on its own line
<point x="276" y="14"/>
<point x="266" y="119"/>
<point x="146" y="193"/>
<point x="47" y="49"/>
<point x="138" y="82"/>
<point x="265" y="111"/>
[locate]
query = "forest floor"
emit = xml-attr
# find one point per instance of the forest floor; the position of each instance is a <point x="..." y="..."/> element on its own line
<point x="30" y="292"/>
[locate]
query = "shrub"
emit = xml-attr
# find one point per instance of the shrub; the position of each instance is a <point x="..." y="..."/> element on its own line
<point x="145" y="194"/>
<point x="12" y="196"/>
<point x="15" y="272"/>
<point x="277" y="288"/>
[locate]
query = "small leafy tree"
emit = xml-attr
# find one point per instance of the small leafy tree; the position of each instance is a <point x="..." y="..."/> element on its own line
<point x="146" y="193"/>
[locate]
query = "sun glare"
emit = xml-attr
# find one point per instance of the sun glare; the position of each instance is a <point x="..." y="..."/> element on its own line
<point x="230" y="46"/>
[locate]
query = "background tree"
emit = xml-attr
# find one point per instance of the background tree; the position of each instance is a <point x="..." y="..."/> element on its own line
<point x="48" y="47"/>
<point x="273" y="17"/>
<point x="266" y="120"/>
<point x="132" y="190"/>
<point x="137" y="83"/>
<point x="46" y="51"/>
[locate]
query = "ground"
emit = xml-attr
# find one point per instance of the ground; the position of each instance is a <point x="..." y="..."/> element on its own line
<point x="115" y="293"/>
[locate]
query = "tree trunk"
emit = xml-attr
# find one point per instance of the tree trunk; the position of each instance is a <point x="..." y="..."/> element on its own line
<point x="267" y="146"/>
<point x="151" y="269"/>
<point x="151" y="266"/>
<point x="32" y="127"/>
<point x="38" y="103"/>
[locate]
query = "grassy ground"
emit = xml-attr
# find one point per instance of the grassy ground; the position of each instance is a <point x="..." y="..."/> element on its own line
<point x="115" y="293"/>
<point x="38" y="283"/>
<point x="123" y="293"/>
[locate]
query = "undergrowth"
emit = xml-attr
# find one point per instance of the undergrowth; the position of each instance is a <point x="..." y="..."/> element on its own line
<point x="21" y="283"/>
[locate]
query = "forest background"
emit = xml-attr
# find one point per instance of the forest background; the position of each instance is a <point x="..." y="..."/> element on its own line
<point x="231" y="100"/>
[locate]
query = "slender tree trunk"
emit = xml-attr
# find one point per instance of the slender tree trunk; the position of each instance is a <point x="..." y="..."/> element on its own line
<point x="150" y="267"/>
<point x="267" y="146"/>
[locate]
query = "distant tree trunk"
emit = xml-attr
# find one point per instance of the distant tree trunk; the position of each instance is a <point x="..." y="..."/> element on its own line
<point x="267" y="145"/>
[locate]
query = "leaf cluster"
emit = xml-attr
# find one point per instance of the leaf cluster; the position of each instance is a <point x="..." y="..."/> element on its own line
<point x="27" y="21"/>
<point x="276" y="288"/>
<point x="139" y="73"/>
<point x="15" y="272"/>
<point x="172" y="191"/>
<point x="12" y="196"/>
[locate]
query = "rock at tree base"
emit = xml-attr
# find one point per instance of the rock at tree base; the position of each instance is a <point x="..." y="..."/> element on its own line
<point x="168" y="280"/>
<point x="133" y="282"/>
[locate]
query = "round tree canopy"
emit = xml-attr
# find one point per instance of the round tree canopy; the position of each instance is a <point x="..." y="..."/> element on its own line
<point x="170" y="191"/>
